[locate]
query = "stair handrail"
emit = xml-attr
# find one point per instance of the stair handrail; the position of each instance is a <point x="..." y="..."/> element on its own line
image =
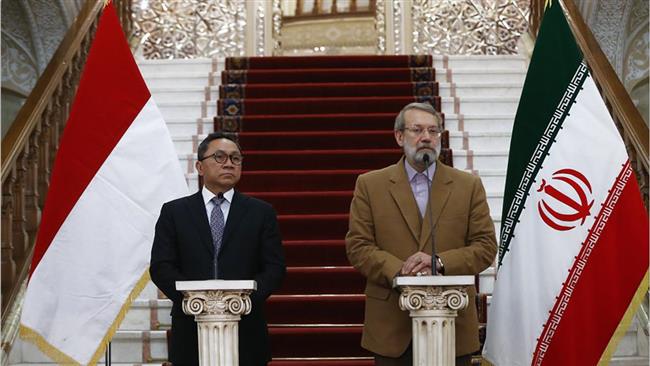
<point x="626" y="116"/>
<point x="28" y="151"/>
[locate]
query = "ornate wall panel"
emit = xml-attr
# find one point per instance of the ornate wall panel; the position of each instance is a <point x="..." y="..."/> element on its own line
<point x="607" y="22"/>
<point x="51" y="25"/>
<point x="276" y="28"/>
<point x="468" y="27"/>
<point x="380" y="26"/>
<point x="621" y="28"/>
<point x="635" y="61"/>
<point x="19" y="68"/>
<point x="31" y="33"/>
<point x="335" y="36"/>
<point x="190" y="28"/>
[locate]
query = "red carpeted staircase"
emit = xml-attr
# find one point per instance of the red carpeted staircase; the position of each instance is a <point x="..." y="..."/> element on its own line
<point x="308" y="127"/>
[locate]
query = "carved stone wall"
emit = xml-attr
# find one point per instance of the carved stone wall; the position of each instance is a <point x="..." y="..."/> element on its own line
<point x="354" y="35"/>
<point x="468" y="27"/>
<point x="621" y="28"/>
<point x="169" y="29"/>
<point x="31" y="32"/>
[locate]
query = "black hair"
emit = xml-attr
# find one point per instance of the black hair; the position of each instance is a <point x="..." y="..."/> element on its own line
<point x="203" y="146"/>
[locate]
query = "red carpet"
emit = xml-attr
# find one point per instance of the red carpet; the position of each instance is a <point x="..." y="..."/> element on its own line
<point x="238" y="91"/>
<point x="288" y="75"/>
<point x="308" y="127"/>
<point x="317" y="105"/>
<point x="322" y="140"/>
<point x="310" y="62"/>
<point x="328" y="121"/>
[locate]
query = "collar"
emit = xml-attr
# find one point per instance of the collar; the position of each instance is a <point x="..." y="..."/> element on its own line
<point x="208" y="195"/>
<point x="411" y="172"/>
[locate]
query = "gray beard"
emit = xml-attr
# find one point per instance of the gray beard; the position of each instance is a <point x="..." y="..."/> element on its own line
<point x="418" y="156"/>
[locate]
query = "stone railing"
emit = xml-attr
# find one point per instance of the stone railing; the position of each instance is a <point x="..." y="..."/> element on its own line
<point x="28" y="151"/>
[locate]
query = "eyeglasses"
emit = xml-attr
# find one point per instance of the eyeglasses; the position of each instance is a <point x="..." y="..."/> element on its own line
<point x="417" y="131"/>
<point x="221" y="157"/>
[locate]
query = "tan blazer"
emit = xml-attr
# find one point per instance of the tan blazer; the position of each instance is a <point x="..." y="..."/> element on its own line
<point x="386" y="228"/>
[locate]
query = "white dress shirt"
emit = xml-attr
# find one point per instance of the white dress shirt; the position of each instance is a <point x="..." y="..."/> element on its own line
<point x="225" y="205"/>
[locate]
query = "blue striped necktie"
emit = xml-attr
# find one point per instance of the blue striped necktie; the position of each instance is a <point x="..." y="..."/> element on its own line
<point x="217" y="224"/>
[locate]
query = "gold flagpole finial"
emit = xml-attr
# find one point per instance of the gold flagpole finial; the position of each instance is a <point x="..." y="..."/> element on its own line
<point x="548" y="3"/>
<point x="108" y="1"/>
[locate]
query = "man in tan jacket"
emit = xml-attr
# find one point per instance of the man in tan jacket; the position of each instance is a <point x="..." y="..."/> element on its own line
<point x="390" y="235"/>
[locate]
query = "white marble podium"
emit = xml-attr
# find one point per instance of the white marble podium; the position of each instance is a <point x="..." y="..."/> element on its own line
<point x="217" y="306"/>
<point x="433" y="303"/>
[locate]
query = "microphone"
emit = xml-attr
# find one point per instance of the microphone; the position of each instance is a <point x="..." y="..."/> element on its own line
<point x="427" y="163"/>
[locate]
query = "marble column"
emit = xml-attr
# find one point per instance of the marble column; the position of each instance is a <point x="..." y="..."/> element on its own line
<point x="433" y="303"/>
<point x="217" y="307"/>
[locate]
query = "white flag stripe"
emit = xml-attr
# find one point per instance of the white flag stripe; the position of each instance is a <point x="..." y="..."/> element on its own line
<point x="589" y="143"/>
<point x="122" y="202"/>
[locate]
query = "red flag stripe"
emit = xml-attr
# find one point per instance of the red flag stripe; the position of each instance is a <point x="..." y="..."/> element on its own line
<point x="86" y="141"/>
<point x="609" y="268"/>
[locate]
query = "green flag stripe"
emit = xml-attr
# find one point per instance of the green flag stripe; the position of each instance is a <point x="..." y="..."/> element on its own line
<point x="541" y="151"/>
<point x="552" y="67"/>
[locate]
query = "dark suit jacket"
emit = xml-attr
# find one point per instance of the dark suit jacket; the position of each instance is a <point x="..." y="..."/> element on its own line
<point x="251" y="249"/>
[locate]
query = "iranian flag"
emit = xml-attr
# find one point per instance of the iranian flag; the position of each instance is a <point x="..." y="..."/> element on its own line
<point x="115" y="167"/>
<point x="573" y="258"/>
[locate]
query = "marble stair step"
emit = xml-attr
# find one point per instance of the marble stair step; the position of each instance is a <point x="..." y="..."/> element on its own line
<point x="187" y="109"/>
<point x="479" y="160"/>
<point x="463" y="159"/>
<point x="153" y="67"/>
<point x="178" y="79"/>
<point x="452" y="75"/>
<point x="473" y="75"/>
<point x="493" y="179"/>
<point x="447" y="89"/>
<point x="479" y="122"/>
<point x="476" y="141"/>
<point x="485" y="62"/>
<point x="150" y="314"/>
<point x="149" y="347"/>
<point x="629" y="361"/>
<point x="480" y="89"/>
<point x="483" y="105"/>
<point x="465" y="105"/>
<point x="187" y="126"/>
<point x="453" y="122"/>
<point x="127" y="346"/>
<point x="150" y="291"/>
<point x="179" y="93"/>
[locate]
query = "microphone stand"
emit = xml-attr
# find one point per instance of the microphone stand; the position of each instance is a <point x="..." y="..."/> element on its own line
<point x="434" y="269"/>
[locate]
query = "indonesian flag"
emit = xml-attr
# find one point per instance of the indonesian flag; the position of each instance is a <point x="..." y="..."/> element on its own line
<point x="115" y="167"/>
<point x="573" y="258"/>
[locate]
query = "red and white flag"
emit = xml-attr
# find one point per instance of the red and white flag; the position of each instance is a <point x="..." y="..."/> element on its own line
<point x="573" y="259"/>
<point x="115" y="167"/>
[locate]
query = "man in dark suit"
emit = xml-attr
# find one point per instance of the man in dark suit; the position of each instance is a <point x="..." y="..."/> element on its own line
<point x="221" y="233"/>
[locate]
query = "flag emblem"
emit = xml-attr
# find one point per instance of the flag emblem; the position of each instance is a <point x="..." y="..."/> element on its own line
<point x="567" y="199"/>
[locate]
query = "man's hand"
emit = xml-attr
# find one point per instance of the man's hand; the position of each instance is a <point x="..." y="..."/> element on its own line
<point x="417" y="263"/>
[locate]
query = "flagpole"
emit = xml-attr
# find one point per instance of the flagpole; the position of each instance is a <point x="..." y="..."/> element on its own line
<point x="107" y="356"/>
